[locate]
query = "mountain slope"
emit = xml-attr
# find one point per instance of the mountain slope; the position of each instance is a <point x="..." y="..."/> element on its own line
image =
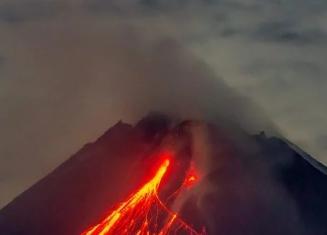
<point x="255" y="191"/>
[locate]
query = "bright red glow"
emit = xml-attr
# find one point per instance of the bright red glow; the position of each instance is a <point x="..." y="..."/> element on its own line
<point x="191" y="177"/>
<point x="142" y="212"/>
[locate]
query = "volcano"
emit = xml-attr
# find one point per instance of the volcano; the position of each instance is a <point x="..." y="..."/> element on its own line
<point x="176" y="177"/>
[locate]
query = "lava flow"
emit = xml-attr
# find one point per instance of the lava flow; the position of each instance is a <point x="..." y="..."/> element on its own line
<point x="143" y="213"/>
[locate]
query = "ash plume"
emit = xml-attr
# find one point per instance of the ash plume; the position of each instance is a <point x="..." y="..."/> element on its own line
<point x="79" y="82"/>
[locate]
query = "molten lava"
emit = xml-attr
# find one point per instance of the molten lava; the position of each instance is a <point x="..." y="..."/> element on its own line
<point x="143" y="213"/>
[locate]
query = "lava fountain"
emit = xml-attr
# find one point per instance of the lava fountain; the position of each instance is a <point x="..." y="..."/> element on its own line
<point x="144" y="213"/>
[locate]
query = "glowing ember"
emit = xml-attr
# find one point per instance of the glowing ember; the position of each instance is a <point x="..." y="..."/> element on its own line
<point x="191" y="177"/>
<point x="141" y="212"/>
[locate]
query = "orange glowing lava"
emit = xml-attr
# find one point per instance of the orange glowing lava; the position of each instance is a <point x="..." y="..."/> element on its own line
<point x="191" y="177"/>
<point x="142" y="212"/>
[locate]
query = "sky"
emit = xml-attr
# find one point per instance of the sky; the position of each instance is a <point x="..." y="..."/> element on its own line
<point x="56" y="57"/>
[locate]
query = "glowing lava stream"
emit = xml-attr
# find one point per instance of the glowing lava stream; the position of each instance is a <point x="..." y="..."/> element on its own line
<point x="139" y="213"/>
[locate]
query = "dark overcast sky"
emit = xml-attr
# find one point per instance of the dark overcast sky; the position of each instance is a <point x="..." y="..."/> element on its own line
<point x="272" y="51"/>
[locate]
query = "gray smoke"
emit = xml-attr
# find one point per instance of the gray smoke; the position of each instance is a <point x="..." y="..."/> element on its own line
<point x="70" y="79"/>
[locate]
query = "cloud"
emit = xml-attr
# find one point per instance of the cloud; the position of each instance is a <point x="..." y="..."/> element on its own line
<point x="18" y="12"/>
<point x="321" y="143"/>
<point x="271" y="52"/>
<point x="2" y="60"/>
<point x="82" y="75"/>
<point x="285" y="32"/>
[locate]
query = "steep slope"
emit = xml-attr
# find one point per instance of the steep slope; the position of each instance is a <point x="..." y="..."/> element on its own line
<point x="79" y="192"/>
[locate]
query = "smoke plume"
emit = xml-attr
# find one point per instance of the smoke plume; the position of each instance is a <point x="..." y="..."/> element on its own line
<point x="73" y="77"/>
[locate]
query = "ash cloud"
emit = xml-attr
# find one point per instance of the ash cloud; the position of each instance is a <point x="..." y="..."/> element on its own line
<point x="72" y="78"/>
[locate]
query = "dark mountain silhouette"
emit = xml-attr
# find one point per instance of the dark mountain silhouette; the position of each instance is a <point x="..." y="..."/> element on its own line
<point x="272" y="187"/>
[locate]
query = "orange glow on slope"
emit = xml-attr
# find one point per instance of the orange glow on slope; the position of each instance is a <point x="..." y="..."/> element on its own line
<point x="141" y="212"/>
<point x="191" y="177"/>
